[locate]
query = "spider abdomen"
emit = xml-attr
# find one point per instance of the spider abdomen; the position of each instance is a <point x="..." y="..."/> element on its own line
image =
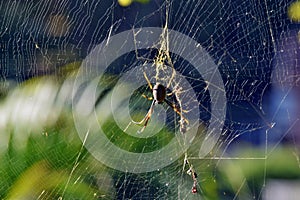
<point x="159" y="93"/>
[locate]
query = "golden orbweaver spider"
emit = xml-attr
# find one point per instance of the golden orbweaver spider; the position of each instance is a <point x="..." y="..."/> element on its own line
<point x="159" y="94"/>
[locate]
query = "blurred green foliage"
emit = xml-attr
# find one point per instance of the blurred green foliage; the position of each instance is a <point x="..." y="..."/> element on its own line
<point x="52" y="163"/>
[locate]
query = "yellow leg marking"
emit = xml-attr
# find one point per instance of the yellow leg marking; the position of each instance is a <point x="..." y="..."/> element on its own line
<point x="149" y="98"/>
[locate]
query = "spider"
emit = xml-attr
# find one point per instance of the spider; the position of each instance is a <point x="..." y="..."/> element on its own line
<point x="159" y="93"/>
<point x="192" y="173"/>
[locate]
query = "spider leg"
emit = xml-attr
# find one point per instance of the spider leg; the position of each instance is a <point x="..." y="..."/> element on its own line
<point x="147" y="117"/>
<point x="149" y="84"/>
<point x="177" y="110"/>
<point x="145" y="120"/>
<point x="170" y="94"/>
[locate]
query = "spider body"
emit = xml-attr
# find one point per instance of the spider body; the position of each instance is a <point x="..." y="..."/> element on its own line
<point x="159" y="93"/>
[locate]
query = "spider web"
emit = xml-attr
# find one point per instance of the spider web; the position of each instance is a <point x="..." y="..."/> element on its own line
<point x="78" y="73"/>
